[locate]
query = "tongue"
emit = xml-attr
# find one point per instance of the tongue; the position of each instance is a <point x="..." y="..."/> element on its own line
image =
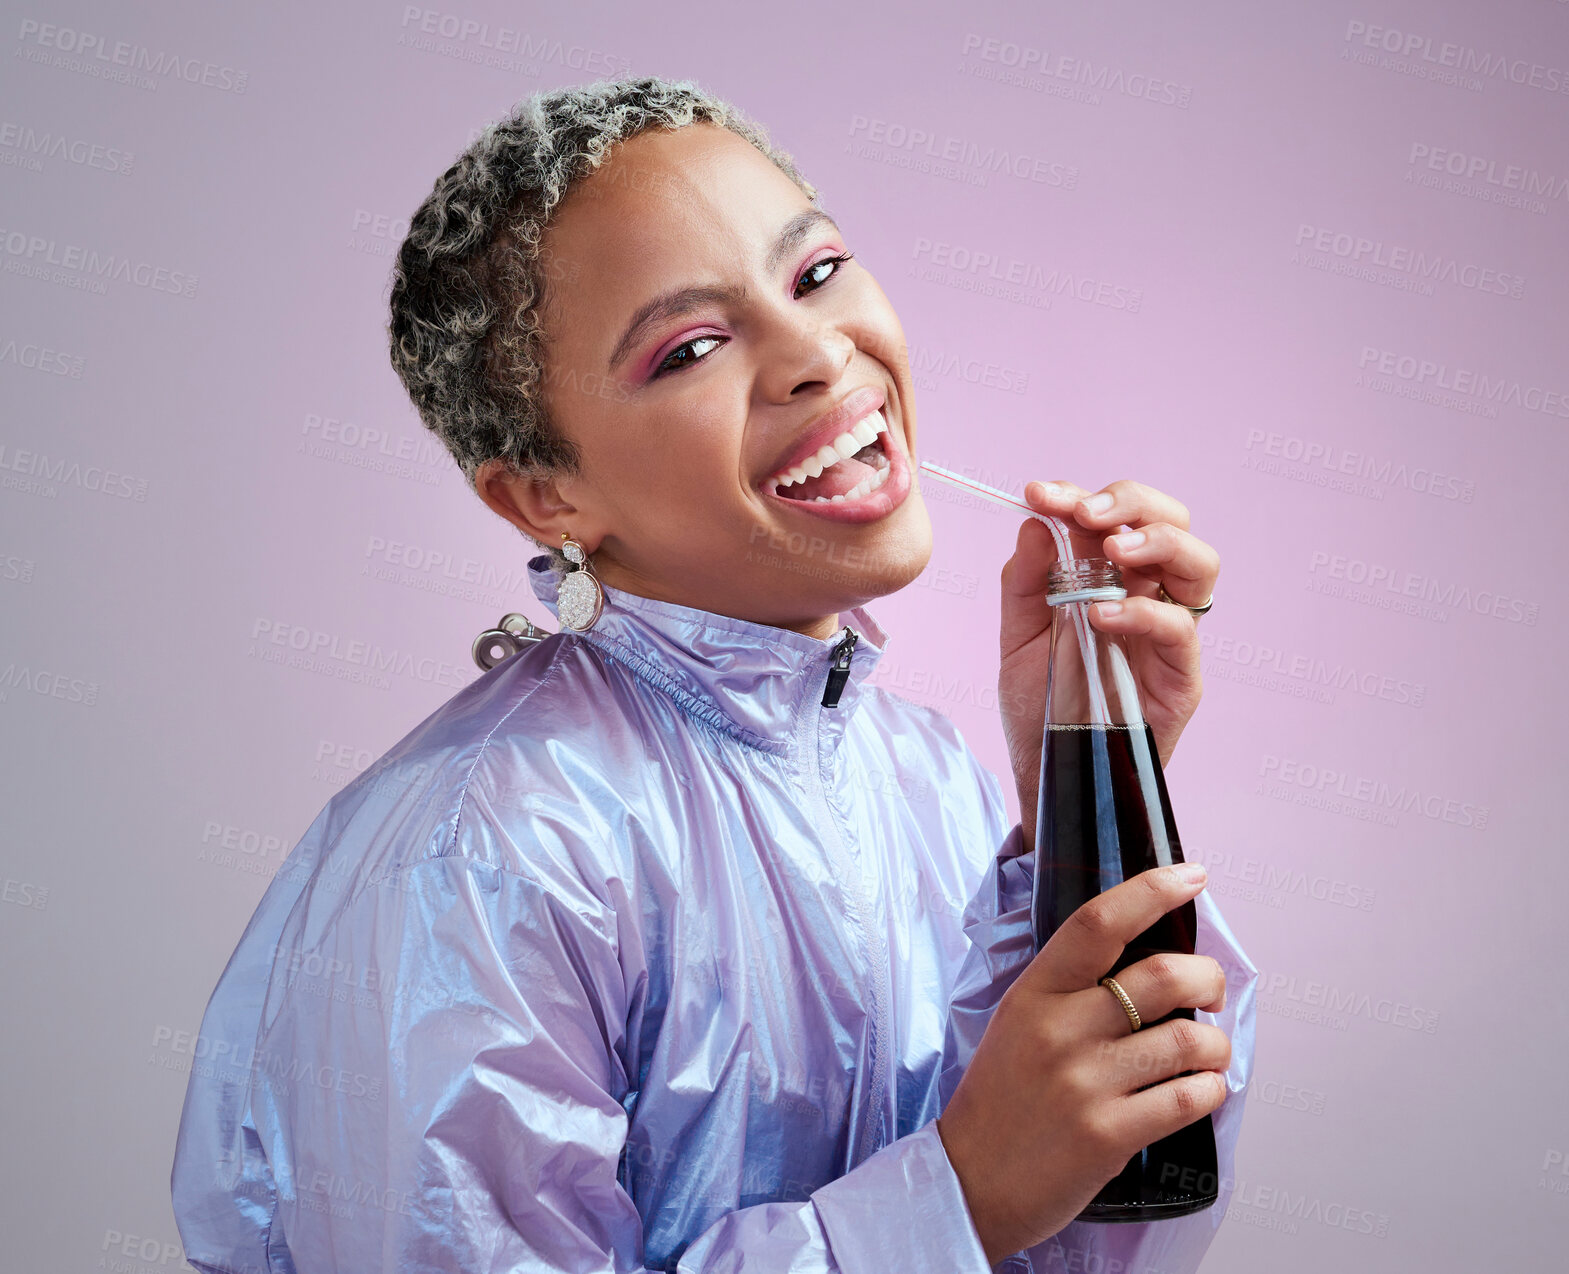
<point x="839" y="480"/>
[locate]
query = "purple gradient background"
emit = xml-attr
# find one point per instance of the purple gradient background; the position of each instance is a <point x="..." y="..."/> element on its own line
<point x="1369" y="1145"/>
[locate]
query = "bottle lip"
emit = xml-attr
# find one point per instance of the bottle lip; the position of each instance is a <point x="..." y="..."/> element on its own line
<point x="1084" y="579"/>
<point x="1108" y="594"/>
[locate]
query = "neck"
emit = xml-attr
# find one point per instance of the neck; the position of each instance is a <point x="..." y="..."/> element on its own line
<point x="822" y="629"/>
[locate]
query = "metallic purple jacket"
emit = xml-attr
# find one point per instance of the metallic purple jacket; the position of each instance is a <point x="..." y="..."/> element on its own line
<point x="636" y="954"/>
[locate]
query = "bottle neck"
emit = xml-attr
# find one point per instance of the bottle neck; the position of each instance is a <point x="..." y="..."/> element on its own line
<point x="1084" y="579"/>
<point x="1088" y="680"/>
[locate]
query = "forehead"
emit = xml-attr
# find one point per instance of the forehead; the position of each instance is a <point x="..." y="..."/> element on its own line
<point x="665" y="209"/>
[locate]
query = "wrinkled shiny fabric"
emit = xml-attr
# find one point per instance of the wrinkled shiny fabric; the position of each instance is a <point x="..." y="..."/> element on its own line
<point x="634" y="955"/>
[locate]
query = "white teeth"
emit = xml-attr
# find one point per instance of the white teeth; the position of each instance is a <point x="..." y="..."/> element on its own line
<point x="830" y="454"/>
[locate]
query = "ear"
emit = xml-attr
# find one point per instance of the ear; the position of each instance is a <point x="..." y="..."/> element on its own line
<point x="537" y="505"/>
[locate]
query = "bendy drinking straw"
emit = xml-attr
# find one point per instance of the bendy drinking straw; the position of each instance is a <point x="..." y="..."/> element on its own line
<point x="1099" y="714"/>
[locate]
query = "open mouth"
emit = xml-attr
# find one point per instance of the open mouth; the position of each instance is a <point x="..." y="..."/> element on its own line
<point x="848" y="469"/>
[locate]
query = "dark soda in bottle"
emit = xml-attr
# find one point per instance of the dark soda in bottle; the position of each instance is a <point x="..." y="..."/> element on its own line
<point x="1104" y="816"/>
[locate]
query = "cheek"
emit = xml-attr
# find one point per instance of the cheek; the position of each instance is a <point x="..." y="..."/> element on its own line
<point x="679" y="479"/>
<point x="876" y="330"/>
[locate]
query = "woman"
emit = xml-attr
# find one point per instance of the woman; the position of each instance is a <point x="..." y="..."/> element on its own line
<point x="663" y="944"/>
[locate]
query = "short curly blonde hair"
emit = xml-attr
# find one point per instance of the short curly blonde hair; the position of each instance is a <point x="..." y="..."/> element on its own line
<point x="468" y="285"/>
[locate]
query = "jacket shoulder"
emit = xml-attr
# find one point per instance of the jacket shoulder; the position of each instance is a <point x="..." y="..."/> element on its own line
<point x="932" y="727"/>
<point x="499" y="746"/>
<point x="541" y="767"/>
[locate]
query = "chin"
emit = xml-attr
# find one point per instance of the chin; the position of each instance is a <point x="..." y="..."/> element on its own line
<point x="895" y="559"/>
<point x="817" y="573"/>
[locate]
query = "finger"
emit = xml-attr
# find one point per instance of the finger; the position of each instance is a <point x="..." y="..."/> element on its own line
<point x="1144" y="1118"/>
<point x="1025" y="611"/>
<point x="1058" y="498"/>
<point x="1058" y="495"/>
<point x="1178" y="559"/>
<point x="1132" y="503"/>
<point x="1158" y="985"/>
<point x="1035" y="551"/>
<point x="1172" y="631"/>
<point x="1091" y="939"/>
<point x="1160" y="1052"/>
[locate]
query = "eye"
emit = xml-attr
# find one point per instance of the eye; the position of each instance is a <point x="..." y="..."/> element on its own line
<point x="836" y="261"/>
<point x="814" y="274"/>
<point x="667" y="365"/>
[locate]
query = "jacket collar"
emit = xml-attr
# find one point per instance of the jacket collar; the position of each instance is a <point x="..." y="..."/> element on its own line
<point x="760" y="684"/>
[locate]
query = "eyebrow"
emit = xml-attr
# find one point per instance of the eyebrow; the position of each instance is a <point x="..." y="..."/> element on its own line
<point x="679" y="301"/>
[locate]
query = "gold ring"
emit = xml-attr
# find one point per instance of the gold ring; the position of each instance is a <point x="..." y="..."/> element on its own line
<point x="1115" y="987"/>
<point x="1195" y="611"/>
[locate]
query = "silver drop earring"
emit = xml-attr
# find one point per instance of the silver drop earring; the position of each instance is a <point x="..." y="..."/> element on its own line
<point x="579" y="600"/>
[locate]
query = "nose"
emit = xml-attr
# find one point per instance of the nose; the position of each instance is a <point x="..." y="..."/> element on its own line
<point x="803" y="354"/>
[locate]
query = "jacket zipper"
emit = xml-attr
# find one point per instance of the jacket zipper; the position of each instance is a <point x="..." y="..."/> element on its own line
<point x="839" y="672"/>
<point x="861" y="907"/>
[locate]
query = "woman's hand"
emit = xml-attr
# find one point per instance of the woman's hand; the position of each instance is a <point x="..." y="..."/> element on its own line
<point x="1060" y="1093"/>
<point x="1162" y="639"/>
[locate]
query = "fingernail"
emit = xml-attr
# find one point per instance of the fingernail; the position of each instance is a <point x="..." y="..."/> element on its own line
<point x="1108" y="609"/>
<point x="1098" y="503"/>
<point x="1191" y="872"/>
<point x="1128" y="540"/>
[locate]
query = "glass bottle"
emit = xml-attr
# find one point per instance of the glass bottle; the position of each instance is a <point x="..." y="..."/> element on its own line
<point x="1103" y="817"/>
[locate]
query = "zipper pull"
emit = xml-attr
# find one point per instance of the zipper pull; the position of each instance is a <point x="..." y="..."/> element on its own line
<point x="839" y="673"/>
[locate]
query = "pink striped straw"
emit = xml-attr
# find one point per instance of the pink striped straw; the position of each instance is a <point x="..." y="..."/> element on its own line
<point x="1088" y="647"/>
